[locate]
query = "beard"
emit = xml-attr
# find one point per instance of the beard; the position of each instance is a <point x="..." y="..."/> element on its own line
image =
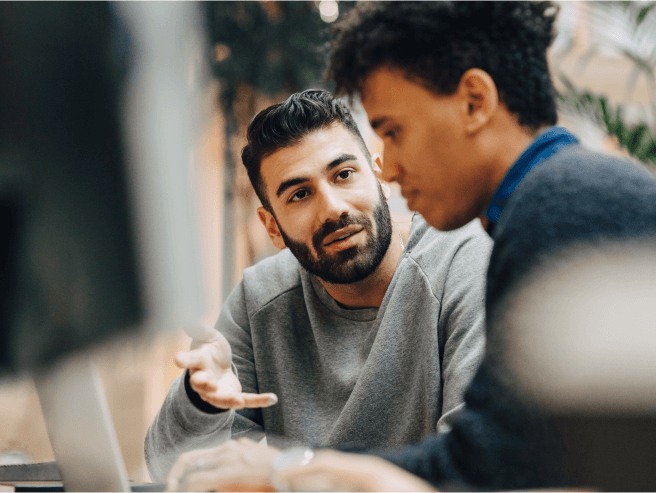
<point x="355" y="263"/>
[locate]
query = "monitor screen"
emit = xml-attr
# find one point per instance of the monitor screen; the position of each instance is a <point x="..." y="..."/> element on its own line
<point x="99" y="235"/>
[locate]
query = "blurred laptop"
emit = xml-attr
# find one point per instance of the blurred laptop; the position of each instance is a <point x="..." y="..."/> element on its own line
<point x="80" y="428"/>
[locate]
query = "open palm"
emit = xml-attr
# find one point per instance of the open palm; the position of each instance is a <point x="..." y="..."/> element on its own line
<point x="209" y="362"/>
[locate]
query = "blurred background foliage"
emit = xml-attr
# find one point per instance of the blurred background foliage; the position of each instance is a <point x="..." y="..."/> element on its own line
<point x="638" y="140"/>
<point x="272" y="46"/>
<point x="626" y="30"/>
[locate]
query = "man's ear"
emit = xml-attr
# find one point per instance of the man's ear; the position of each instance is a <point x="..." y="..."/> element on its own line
<point x="271" y="226"/>
<point x="377" y="165"/>
<point x="480" y="98"/>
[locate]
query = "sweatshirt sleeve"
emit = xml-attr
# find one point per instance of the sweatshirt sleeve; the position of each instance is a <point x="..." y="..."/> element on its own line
<point x="182" y="424"/>
<point x="461" y="325"/>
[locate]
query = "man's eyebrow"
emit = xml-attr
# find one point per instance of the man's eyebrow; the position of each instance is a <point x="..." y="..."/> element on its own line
<point x="290" y="183"/>
<point x="287" y="184"/>
<point x="378" y="122"/>
<point x="339" y="160"/>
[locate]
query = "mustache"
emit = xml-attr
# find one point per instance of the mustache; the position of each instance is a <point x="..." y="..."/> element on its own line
<point x="332" y="226"/>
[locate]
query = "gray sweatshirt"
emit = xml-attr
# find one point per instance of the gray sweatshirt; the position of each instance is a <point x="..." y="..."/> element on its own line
<point x="375" y="377"/>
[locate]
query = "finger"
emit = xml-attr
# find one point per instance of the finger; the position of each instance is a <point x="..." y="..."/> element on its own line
<point x="220" y="352"/>
<point x="307" y="476"/>
<point x="217" y="351"/>
<point x="183" y="464"/>
<point x="201" y="332"/>
<point x="203" y="382"/>
<point x="188" y="463"/>
<point x="241" y="400"/>
<point x="204" y="480"/>
<point x="259" y="400"/>
<point x="173" y="482"/>
<point x="226" y="479"/>
<point x="194" y="359"/>
<point x="225" y="401"/>
<point x="299" y="479"/>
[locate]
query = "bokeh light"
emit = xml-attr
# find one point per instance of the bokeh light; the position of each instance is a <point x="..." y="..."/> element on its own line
<point x="328" y="10"/>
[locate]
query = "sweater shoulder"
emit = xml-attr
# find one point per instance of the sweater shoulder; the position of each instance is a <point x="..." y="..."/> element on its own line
<point x="270" y="278"/>
<point x="575" y="169"/>
<point x="576" y="198"/>
<point x="427" y="245"/>
<point x="578" y="186"/>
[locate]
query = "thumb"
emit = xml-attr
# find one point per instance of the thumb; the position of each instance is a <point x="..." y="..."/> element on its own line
<point x="201" y="332"/>
<point x="194" y="359"/>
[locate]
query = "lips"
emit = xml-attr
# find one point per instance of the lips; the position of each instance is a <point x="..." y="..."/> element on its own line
<point x="409" y="197"/>
<point x="408" y="193"/>
<point x="341" y="234"/>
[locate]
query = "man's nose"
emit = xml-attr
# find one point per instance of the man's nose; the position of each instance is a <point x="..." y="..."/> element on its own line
<point x="332" y="205"/>
<point x="391" y="169"/>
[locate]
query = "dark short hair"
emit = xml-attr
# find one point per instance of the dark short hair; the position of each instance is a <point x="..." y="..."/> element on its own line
<point x="435" y="43"/>
<point x="286" y="124"/>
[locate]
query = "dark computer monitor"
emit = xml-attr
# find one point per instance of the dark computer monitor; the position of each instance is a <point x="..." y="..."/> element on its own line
<point x="100" y="235"/>
<point x="96" y="195"/>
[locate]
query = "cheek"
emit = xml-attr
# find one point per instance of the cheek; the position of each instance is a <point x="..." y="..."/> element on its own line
<point x="420" y="167"/>
<point x="362" y="192"/>
<point x="297" y="227"/>
<point x="413" y="151"/>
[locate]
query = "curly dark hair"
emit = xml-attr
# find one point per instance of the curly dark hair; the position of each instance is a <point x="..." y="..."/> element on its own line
<point x="286" y="124"/>
<point x="434" y="43"/>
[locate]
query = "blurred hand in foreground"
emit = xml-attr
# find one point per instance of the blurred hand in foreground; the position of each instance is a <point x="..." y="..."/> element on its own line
<point x="209" y="362"/>
<point x="238" y="465"/>
<point x="330" y="470"/>
<point x="244" y="465"/>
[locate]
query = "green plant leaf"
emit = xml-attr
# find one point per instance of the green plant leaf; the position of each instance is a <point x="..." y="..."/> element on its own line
<point x="643" y="13"/>
<point x="638" y="140"/>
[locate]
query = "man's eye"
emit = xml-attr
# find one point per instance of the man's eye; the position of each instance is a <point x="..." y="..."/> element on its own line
<point x="300" y="195"/>
<point x="391" y="133"/>
<point x="345" y="174"/>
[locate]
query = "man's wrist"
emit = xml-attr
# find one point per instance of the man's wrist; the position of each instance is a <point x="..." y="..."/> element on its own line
<point x="293" y="457"/>
<point x="196" y="399"/>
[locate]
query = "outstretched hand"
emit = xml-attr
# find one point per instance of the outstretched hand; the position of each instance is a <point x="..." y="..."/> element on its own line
<point x="209" y="362"/>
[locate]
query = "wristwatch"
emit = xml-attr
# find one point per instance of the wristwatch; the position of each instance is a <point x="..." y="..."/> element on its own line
<point x="293" y="457"/>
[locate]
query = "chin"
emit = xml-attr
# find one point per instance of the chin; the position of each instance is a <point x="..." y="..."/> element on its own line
<point x="443" y="221"/>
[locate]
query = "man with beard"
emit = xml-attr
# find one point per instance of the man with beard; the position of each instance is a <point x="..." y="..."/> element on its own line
<point x="368" y="331"/>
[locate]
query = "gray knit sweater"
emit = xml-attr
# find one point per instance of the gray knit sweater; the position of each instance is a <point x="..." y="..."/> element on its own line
<point x="377" y="377"/>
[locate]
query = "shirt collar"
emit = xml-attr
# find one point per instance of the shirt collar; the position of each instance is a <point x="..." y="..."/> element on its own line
<point x="542" y="148"/>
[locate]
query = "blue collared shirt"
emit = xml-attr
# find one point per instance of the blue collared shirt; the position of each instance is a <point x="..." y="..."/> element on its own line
<point x="542" y="148"/>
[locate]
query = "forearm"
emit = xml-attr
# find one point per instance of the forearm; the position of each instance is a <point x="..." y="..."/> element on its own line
<point x="497" y="442"/>
<point x="429" y="459"/>
<point x="180" y="426"/>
